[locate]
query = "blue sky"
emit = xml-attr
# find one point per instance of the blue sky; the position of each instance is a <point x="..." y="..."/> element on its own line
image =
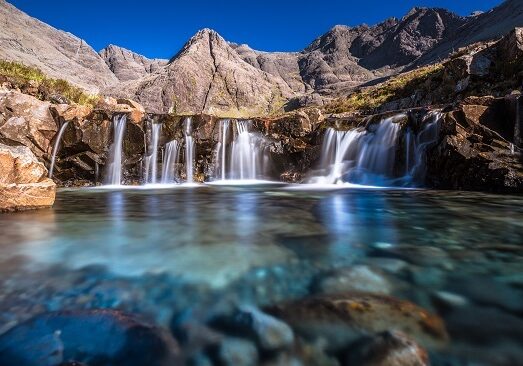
<point x="158" y="28"/>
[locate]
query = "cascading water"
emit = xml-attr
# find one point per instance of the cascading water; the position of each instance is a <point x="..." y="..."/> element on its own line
<point x="416" y="147"/>
<point x="114" y="166"/>
<point x="368" y="156"/>
<point x="151" y="161"/>
<point x="221" y="150"/>
<point x="170" y="160"/>
<point x="189" y="151"/>
<point x="245" y="158"/>
<point x="56" y="147"/>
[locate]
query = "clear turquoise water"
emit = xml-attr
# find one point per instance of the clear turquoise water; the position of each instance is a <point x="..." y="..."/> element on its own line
<point x="155" y="251"/>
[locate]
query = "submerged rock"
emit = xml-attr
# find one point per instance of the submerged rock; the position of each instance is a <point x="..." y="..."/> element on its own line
<point x="343" y="319"/>
<point x="249" y="322"/>
<point x="388" y="349"/>
<point x="96" y="337"/>
<point x="357" y="278"/>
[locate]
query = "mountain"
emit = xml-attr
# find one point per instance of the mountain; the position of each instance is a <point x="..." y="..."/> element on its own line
<point x="214" y="76"/>
<point x="57" y="53"/>
<point x="207" y="76"/>
<point x="128" y="65"/>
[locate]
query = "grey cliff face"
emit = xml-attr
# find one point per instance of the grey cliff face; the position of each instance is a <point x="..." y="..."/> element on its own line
<point x="57" y="53"/>
<point x="128" y="65"/>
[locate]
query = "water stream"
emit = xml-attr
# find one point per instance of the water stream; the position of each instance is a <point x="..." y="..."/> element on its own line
<point x="151" y="160"/>
<point x="114" y="166"/>
<point x="56" y="147"/>
<point x="190" y="150"/>
<point x="241" y="153"/>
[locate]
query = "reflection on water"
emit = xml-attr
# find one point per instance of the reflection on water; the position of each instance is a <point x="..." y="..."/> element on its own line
<point x="260" y="245"/>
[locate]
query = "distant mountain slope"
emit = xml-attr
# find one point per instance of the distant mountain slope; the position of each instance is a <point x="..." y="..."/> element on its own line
<point x="208" y="76"/>
<point x="57" y="53"/>
<point x="128" y="65"/>
<point x="214" y="76"/>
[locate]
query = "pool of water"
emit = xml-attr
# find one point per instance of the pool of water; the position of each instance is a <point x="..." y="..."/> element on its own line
<point x="159" y="252"/>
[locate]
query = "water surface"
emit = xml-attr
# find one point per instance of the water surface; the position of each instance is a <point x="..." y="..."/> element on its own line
<point x="160" y="251"/>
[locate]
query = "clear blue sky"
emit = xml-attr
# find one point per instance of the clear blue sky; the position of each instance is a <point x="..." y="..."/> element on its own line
<point x="158" y="28"/>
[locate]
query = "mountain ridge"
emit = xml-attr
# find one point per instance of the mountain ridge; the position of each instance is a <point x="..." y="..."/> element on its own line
<point x="211" y="75"/>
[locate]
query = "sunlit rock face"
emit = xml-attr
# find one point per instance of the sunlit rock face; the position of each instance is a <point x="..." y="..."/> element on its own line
<point x="26" y="120"/>
<point x="23" y="180"/>
<point x="208" y="76"/>
<point x="57" y="53"/>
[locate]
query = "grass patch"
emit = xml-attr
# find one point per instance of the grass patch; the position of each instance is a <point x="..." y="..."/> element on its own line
<point x="396" y="87"/>
<point x="41" y="86"/>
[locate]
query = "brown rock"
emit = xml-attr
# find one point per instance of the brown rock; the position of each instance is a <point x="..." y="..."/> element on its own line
<point x="134" y="109"/>
<point x="27" y="121"/>
<point x="344" y="318"/>
<point x="18" y="165"/>
<point x="23" y="181"/>
<point x="389" y="349"/>
<point x="15" y="197"/>
<point x="67" y="113"/>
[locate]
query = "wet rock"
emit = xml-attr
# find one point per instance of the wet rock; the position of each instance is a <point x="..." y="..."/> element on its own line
<point x="388" y="349"/>
<point x="342" y="319"/>
<point x="417" y="254"/>
<point x="447" y="300"/>
<point x="483" y="325"/>
<point x="358" y="278"/>
<point x="96" y="337"/>
<point x="27" y="121"/>
<point x="486" y="291"/>
<point x="23" y="180"/>
<point x="236" y="352"/>
<point x="249" y="322"/>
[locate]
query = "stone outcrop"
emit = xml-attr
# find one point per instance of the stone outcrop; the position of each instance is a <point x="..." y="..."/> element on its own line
<point x="58" y="54"/>
<point x="23" y="180"/>
<point x="477" y="148"/>
<point x="25" y="120"/>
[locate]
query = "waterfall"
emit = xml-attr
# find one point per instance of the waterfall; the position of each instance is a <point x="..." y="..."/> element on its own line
<point x="151" y="161"/>
<point x="426" y="137"/>
<point x="518" y="139"/>
<point x="245" y="158"/>
<point x="114" y="166"/>
<point x="56" y="147"/>
<point x="221" y="150"/>
<point x="368" y="156"/>
<point x="189" y="151"/>
<point x="170" y="159"/>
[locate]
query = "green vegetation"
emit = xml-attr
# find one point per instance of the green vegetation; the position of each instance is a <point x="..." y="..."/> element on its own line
<point x="396" y="87"/>
<point x="35" y="82"/>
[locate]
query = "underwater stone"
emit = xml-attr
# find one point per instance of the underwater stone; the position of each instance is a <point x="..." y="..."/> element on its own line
<point x="345" y="318"/>
<point x="97" y="337"/>
<point x="388" y="349"/>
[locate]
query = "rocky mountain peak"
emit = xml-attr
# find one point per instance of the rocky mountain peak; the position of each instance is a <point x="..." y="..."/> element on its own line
<point x="128" y="65"/>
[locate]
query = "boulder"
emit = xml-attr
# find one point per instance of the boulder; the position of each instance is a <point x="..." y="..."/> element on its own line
<point x="23" y="180"/>
<point x="94" y="337"/>
<point x="25" y="120"/>
<point x="389" y="349"/>
<point x="345" y="318"/>
<point x="249" y="322"/>
<point x="134" y="109"/>
<point x="357" y="278"/>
